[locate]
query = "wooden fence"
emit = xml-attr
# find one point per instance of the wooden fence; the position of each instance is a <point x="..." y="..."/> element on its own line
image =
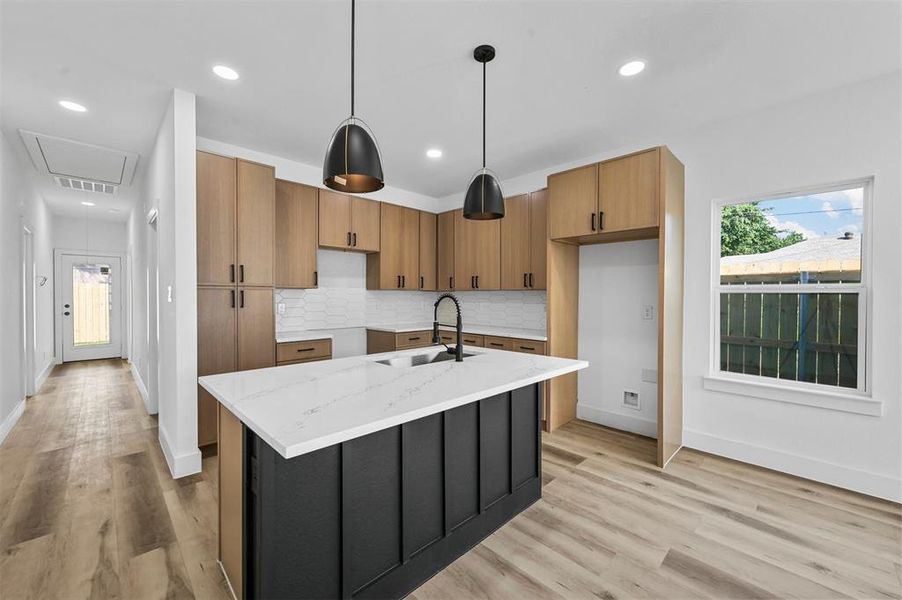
<point x="91" y="312"/>
<point x="804" y="337"/>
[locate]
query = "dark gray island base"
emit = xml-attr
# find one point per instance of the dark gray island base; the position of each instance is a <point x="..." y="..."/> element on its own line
<point x="377" y="516"/>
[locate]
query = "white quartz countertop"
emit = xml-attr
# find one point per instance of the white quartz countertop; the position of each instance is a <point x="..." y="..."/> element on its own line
<point x="501" y="331"/>
<point x="303" y="336"/>
<point x="300" y="408"/>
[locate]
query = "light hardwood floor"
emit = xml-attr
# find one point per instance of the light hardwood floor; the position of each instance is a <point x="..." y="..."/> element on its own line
<point x="89" y="510"/>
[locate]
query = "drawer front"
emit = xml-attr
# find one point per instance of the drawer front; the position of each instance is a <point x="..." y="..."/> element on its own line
<point x="448" y="337"/>
<point x="528" y="346"/>
<point x="498" y="343"/>
<point x="292" y="351"/>
<point x="302" y="360"/>
<point x="413" y="339"/>
<point x="472" y="339"/>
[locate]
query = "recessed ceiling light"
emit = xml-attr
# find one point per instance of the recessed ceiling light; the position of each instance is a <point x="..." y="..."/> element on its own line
<point x="434" y="153"/>
<point x="73" y="106"/>
<point x="634" y="67"/>
<point x="226" y="72"/>
<point x="86" y="203"/>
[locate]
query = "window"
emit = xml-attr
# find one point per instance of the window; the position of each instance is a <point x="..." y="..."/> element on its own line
<point x="791" y="291"/>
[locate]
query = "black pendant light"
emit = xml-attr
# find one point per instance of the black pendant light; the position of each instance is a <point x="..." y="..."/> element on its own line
<point x="484" y="198"/>
<point x="352" y="160"/>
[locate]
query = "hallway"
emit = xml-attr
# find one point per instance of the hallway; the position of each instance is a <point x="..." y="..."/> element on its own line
<point x="88" y="505"/>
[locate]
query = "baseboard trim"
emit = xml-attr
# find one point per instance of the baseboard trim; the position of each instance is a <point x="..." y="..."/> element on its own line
<point x="142" y="389"/>
<point x="872" y="484"/>
<point x="617" y="420"/>
<point x="180" y="465"/>
<point x="11" y="419"/>
<point x="43" y="375"/>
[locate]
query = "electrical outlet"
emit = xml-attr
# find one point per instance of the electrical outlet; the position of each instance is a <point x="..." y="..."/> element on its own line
<point x="281" y="308"/>
<point x="648" y="312"/>
<point x="631" y="399"/>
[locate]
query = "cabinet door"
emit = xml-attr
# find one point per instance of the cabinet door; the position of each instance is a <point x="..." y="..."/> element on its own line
<point x="216" y="219"/>
<point x="256" y="329"/>
<point x="410" y="248"/>
<point x="445" y="251"/>
<point x="390" y="258"/>
<point x="296" y="241"/>
<point x="538" y="239"/>
<point x="334" y="219"/>
<point x="515" y="242"/>
<point x="628" y="192"/>
<point x="477" y="253"/>
<point x="256" y="223"/>
<point x="427" y="258"/>
<point x="572" y="202"/>
<point x="364" y="224"/>
<point x="216" y="351"/>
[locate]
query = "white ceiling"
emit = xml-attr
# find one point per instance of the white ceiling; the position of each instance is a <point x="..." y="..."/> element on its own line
<point x="554" y="94"/>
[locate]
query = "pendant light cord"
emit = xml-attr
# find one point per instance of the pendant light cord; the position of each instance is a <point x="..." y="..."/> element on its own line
<point x="483" y="116"/>
<point x="353" y="28"/>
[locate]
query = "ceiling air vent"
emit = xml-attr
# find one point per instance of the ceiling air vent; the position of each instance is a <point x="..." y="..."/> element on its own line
<point x="69" y="183"/>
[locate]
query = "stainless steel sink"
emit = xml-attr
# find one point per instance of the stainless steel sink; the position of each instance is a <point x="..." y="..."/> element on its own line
<point x="415" y="360"/>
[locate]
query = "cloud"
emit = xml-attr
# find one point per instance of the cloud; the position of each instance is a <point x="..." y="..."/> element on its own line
<point x="828" y="208"/>
<point x="856" y="199"/>
<point x="791" y="226"/>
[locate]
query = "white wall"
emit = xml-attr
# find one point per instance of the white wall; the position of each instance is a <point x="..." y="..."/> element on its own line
<point x="21" y="206"/>
<point x="165" y="298"/>
<point x="89" y="234"/>
<point x="849" y="132"/>
<point x="616" y="283"/>
<point x="292" y="170"/>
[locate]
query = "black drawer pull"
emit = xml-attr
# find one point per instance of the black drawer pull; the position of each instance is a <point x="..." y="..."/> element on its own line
<point x="496" y="344"/>
<point x="306" y="349"/>
<point x="527" y="348"/>
<point x="413" y="339"/>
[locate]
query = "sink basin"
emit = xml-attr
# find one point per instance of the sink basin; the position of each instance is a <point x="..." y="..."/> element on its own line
<point x="415" y="360"/>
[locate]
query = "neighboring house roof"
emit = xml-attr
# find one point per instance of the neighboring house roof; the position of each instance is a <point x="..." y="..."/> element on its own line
<point x="817" y="255"/>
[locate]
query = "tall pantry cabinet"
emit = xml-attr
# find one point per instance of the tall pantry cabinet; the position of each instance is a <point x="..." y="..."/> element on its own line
<point x="235" y="273"/>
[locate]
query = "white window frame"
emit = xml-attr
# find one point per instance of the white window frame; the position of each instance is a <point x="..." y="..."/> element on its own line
<point x="799" y="392"/>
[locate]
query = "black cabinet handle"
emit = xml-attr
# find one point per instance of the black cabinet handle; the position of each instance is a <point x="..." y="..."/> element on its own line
<point x="399" y="281"/>
<point x="403" y="281"/>
<point x="316" y="278"/>
<point x="477" y="282"/>
<point x="413" y="339"/>
<point x="349" y="238"/>
<point x="527" y="348"/>
<point x="355" y="239"/>
<point x="496" y="344"/>
<point x="422" y="284"/>
<point x="451" y="282"/>
<point x="600" y="220"/>
<point x="593" y="221"/>
<point x="530" y="280"/>
<point x="233" y="298"/>
<point x="306" y="349"/>
<point x="231" y="273"/>
<point x="242" y="299"/>
<point x="525" y="280"/>
<point x="241" y="273"/>
<point x="473" y="281"/>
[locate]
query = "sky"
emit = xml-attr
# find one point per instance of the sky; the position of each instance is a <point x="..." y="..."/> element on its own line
<point x="828" y="214"/>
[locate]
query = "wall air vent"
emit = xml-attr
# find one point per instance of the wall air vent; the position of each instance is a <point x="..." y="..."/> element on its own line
<point x="83" y="185"/>
<point x="76" y="161"/>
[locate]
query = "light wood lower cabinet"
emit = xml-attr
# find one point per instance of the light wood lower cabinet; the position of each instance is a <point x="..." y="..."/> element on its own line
<point x="386" y="341"/>
<point x="306" y="351"/>
<point x="235" y="332"/>
<point x="296" y="235"/>
<point x="498" y="343"/>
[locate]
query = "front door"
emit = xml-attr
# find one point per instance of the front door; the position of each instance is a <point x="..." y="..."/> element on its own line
<point x="91" y="307"/>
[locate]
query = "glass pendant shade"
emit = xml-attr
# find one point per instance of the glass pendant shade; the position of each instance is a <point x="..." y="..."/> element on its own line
<point x="484" y="199"/>
<point x="352" y="161"/>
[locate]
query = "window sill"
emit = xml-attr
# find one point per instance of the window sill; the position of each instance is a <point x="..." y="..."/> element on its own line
<point x="851" y="402"/>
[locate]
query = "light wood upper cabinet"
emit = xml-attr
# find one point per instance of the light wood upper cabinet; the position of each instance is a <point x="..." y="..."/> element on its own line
<point x="256" y="329"/>
<point x="428" y="230"/>
<point x="538" y="239"/>
<point x="256" y="223"/>
<point x="573" y="202"/>
<point x="396" y="265"/>
<point x="296" y="235"/>
<point x="477" y="253"/>
<point x="216" y="219"/>
<point x="348" y="222"/>
<point x="628" y="192"/>
<point x="515" y="243"/>
<point x="365" y="224"/>
<point x="445" y="251"/>
<point x="334" y="219"/>
<point x="216" y="351"/>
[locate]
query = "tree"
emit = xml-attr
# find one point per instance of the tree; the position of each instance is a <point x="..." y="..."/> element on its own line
<point x="744" y="229"/>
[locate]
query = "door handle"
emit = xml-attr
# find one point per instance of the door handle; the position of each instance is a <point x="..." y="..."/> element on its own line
<point x="530" y="280"/>
<point x="233" y="298"/>
<point x="355" y="239"/>
<point x="232" y="273"/>
<point x="349" y="238"/>
<point x="242" y="299"/>
<point x="593" y="221"/>
<point x="241" y="273"/>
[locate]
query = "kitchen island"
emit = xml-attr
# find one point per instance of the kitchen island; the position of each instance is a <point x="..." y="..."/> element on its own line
<point x="364" y="476"/>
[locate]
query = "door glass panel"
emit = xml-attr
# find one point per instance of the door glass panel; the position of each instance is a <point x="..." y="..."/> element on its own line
<point x="92" y="302"/>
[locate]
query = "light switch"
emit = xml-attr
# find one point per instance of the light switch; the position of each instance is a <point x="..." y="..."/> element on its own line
<point x="281" y="308"/>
